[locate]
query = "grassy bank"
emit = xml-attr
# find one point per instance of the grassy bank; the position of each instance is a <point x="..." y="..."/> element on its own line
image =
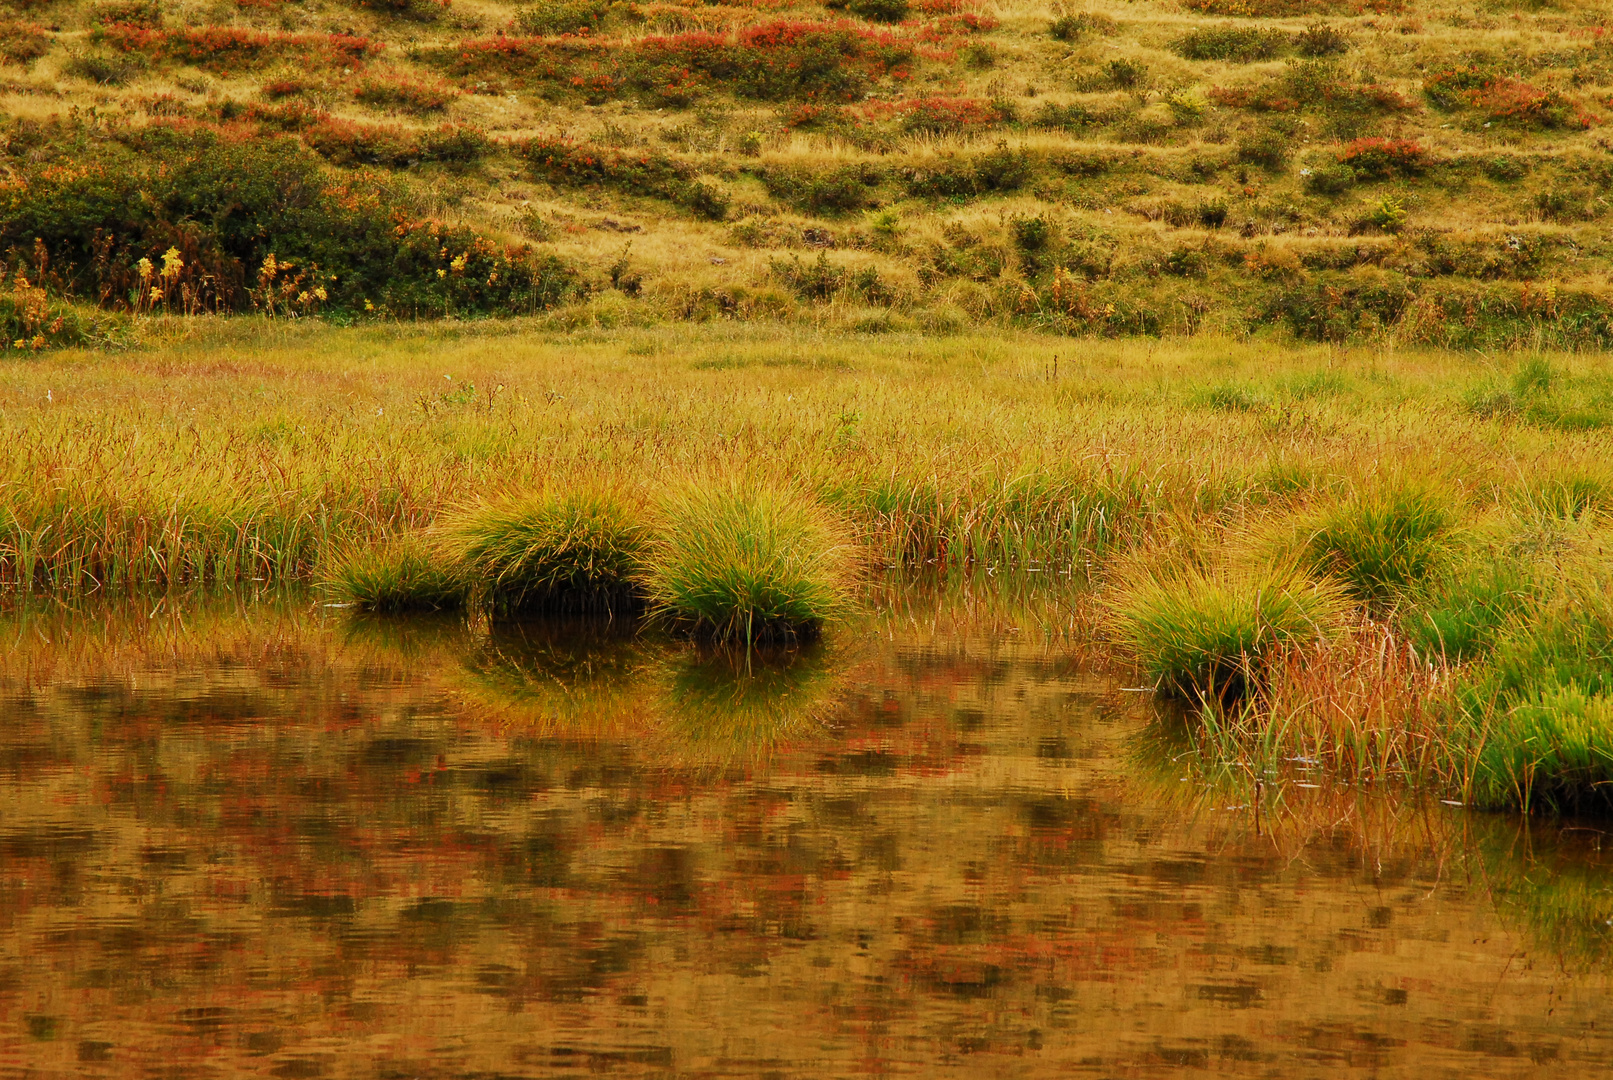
<point x="1391" y="561"/>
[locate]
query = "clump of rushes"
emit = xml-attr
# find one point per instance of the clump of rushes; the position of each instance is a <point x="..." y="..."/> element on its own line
<point x="400" y="574"/>
<point x="1380" y="541"/>
<point x="570" y="551"/>
<point x="1208" y="634"/>
<point x="748" y="564"/>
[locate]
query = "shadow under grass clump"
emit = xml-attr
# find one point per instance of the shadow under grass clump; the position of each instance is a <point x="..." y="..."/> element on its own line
<point x="1208" y="634"/>
<point x="1380" y="542"/>
<point x="400" y="574"/>
<point x="751" y="565"/>
<point x="573" y="551"/>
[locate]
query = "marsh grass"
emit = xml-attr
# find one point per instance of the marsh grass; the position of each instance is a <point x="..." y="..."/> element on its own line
<point x="1207" y="634"/>
<point x="1382" y="540"/>
<point x="572" y="549"/>
<point x="748" y="563"/>
<point x="401" y="574"/>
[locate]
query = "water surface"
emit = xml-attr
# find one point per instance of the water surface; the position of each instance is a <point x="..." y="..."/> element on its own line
<point x="281" y="840"/>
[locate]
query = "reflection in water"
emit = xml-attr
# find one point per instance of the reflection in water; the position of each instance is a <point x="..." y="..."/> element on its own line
<point x="291" y="843"/>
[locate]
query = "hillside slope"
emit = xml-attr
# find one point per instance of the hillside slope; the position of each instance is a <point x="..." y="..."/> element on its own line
<point x="1330" y="170"/>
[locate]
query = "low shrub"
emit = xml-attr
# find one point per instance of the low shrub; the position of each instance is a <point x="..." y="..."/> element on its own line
<point x="562" y="17"/>
<point x="22" y="43"/>
<point x="1332" y="178"/>
<point x="425" y="11"/>
<point x="748" y="564"/>
<point x="254" y="224"/>
<point x="1381" y="542"/>
<point x="1002" y="169"/>
<point x="226" y="49"/>
<point x="775" y="61"/>
<point x="1500" y="99"/>
<point x="1321" y="39"/>
<point x="142" y="13"/>
<point x="945" y="115"/>
<point x="1077" y="25"/>
<point x="558" y="550"/>
<point x="401" y="92"/>
<point x="640" y="172"/>
<point x="401" y="574"/>
<point x="885" y="11"/>
<point x="1379" y="159"/>
<point x="826" y="192"/>
<point x="822" y="280"/>
<point x="1241" y="44"/>
<point x="102" y="68"/>
<point x="1206" y="634"/>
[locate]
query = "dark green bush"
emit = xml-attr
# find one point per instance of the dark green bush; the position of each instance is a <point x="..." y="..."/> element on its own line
<point x="143" y="13"/>
<point x="1505" y="169"/>
<point x="21" y="43"/>
<point x="227" y="206"/>
<point x="1242" y="44"/>
<point x="1001" y="169"/>
<point x="1331" y="178"/>
<point x="562" y="17"/>
<point x="835" y="191"/>
<point x="108" y="70"/>
<point x="885" y="11"/>
<point x="1320" y="39"/>
<point x="1075" y="27"/>
<point x="1031" y="233"/>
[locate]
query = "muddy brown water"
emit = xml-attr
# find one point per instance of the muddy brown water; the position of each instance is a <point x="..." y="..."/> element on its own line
<point x="280" y="840"/>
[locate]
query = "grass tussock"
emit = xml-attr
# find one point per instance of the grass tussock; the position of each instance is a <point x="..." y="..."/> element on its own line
<point x="1208" y="634"/>
<point x="556" y="550"/>
<point x="749" y="563"/>
<point x="401" y="574"/>
<point x="1381" y="540"/>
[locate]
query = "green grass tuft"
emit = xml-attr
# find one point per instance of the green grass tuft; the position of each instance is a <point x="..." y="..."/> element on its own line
<point x="551" y="551"/>
<point x="400" y="574"/>
<point x="1381" y="542"/>
<point x="1207" y="634"/>
<point x="1553" y="748"/>
<point x="1466" y="613"/>
<point x="748" y="564"/>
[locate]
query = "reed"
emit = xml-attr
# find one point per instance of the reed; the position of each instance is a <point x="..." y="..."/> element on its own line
<point x="748" y="563"/>
<point x="574" y="549"/>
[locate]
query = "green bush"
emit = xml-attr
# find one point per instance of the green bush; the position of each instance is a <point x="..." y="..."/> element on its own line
<point x="885" y="11"/>
<point x="1001" y="169"/>
<point x="825" y="193"/>
<point x="1320" y="39"/>
<point x="226" y="206"/>
<point x="106" y="69"/>
<point x="748" y="564"/>
<point x="562" y="17"/>
<point x="1331" y="178"/>
<point x="1208" y="635"/>
<point x="1237" y="43"/>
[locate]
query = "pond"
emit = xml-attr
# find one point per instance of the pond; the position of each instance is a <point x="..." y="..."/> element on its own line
<point x="278" y="838"/>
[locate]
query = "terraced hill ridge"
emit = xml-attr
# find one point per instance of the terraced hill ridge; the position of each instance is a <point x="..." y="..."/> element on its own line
<point x="1430" y="172"/>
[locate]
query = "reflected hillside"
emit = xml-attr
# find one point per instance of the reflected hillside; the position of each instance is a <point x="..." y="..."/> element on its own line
<point x="283" y="840"/>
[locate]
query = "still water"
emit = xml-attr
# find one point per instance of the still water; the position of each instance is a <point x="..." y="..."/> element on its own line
<point x="281" y="840"/>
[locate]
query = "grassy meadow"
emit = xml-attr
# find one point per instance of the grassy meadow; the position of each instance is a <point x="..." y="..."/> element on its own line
<point x="1390" y="561"/>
